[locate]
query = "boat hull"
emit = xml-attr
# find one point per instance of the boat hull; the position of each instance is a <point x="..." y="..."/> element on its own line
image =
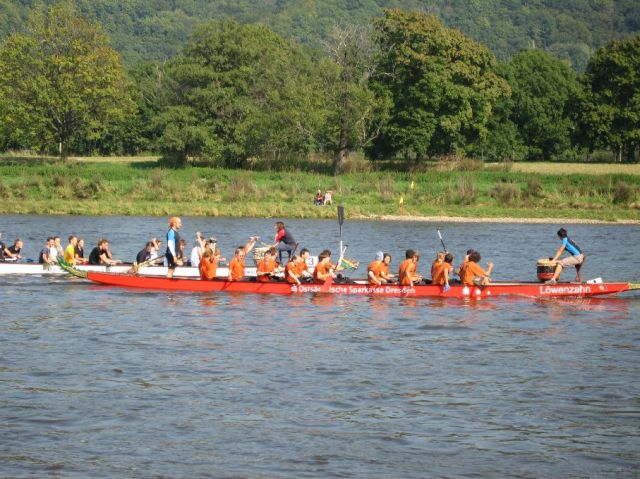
<point x="458" y="291"/>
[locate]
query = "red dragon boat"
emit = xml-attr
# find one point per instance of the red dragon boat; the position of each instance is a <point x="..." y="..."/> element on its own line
<point x="538" y="290"/>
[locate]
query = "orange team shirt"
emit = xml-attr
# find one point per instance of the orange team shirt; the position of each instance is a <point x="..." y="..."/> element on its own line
<point x="266" y="266"/>
<point x="208" y="268"/>
<point x="292" y="268"/>
<point x="236" y="269"/>
<point x="376" y="267"/>
<point x="434" y="267"/>
<point x="406" y="272"/>
<point x="320" y="269"/>
<point x="302" y="267"/>
<point x="471" y="270"/>
<point x="438" y="273"/>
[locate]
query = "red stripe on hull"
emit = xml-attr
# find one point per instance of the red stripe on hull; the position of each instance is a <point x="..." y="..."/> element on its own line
<point x="498" y="289"/>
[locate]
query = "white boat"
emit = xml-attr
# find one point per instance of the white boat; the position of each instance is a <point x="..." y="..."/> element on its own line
<point x="12" y="267"/>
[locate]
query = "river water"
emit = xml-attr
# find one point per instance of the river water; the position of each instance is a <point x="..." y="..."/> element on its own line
<point x="106" y="382"/>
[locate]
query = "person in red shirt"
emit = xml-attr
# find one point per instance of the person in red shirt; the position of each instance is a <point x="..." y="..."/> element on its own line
<point x="407" y="272"/>
<point x="443" y="272"/>
<point x="324" y="269"/>
<point x="267" y="267"/>
<point x="284" y="241"/>
<point x="473" y="274"/>
<point x="236" y="265"/>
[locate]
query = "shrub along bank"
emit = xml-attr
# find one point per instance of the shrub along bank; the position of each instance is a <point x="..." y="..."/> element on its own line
<point x="83" y="188"/>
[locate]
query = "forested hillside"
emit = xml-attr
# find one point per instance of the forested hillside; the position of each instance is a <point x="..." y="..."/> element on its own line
<point x="156" y="29"/>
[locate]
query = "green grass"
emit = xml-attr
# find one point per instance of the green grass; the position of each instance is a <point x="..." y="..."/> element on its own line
<point x="144" y="188"/>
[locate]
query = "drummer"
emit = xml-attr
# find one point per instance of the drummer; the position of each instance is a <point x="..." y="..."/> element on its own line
<point x="576" y="257"/>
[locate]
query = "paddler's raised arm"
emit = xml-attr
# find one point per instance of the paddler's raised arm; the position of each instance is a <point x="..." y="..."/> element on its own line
<point x="250" y="244"/>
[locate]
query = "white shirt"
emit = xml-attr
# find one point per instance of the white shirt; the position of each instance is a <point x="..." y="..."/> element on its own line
<point x="195" y="256"/>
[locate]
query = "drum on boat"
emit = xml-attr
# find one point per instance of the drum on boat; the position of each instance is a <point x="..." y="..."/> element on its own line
<point x="545" y="269"/>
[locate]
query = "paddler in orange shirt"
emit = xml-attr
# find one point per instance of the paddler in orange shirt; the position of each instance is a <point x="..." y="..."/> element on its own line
<point x="267" y="267"/>
<point x="291" y="271"/>
<point x="236" y="265"/>
<point x="324" y="269"/>
<point x="407" y="272"/>
<point x="386" y="261"/>
<point x="437" y="262"/>
<point x="473" y="274"/>
<point x="303" y="269"/>
<point x="460" y="270"/>
<point x="443" y="272"/>
<point x="208" y="266"/>
<point x="375" y="270"/>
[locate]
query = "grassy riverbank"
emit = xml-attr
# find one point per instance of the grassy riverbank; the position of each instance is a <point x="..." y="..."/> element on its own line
<point x="145" y="188"/>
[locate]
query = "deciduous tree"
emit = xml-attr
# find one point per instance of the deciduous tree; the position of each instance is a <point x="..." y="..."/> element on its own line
<point x="61" y="80"/>
<point x="609" y="113"/>
<point x="443" y="85"/>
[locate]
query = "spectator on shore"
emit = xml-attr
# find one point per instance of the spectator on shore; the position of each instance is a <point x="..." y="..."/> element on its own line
<point x="319" y="199"/>
<point x="328" y="198"/>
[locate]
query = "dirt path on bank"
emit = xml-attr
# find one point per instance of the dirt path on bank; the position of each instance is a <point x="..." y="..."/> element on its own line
<point x="462" y="219"/>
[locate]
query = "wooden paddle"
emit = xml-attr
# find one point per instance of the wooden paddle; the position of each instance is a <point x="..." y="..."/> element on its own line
<point x="442" y="241"/>
<point x="136" y="266"/>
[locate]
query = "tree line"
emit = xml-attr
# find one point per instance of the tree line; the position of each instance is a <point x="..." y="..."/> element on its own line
<point x="404" y="86"/>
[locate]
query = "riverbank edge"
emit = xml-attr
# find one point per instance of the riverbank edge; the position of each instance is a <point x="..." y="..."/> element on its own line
<point x="464" y="219"/>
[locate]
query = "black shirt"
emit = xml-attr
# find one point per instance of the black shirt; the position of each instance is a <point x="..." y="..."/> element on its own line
<point x="13" y="250"/>
<point x="2" y="247"/>
<point x="79" y="251"/>
<point x="94" y="257"/>
<point x="143" y="256"/>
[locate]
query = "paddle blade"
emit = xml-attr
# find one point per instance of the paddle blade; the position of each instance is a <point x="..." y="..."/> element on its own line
<point x="340" y="215"/>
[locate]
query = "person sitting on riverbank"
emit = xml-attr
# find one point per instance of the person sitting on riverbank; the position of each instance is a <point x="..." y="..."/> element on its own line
<point x="319" y="199"/>
<point x="100" y="255"/>
<point x="473" y="274"/>
<point x="70" y="250"/>
<point x="443" y="272"/>
<point x="267" y="267"/>
<point x="328" y="198"/>
<point x="12" y="253"/>
<point x="575" y="258"/>
<point x="236" y="265"/>
<point x="407" y="273"/>
<point x="324" y="270"/>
